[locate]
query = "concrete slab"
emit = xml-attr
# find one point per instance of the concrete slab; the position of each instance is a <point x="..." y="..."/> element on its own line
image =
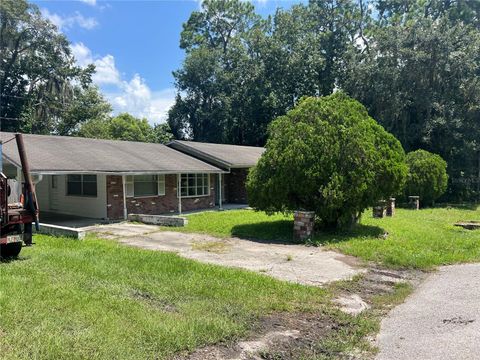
<point x="70" y="221"/>
<point x="290" y="262"/>
<point x="441" y="320"/>
<point x="55" y="230"/>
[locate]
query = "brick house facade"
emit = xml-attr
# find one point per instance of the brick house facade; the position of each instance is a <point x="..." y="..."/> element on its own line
<point x="235" y="190"/>
<point x="154" y="205"/>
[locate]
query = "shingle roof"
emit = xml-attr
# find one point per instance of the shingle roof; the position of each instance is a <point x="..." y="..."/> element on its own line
<point x="223" y="155"/>
<point x="63" y="154"/>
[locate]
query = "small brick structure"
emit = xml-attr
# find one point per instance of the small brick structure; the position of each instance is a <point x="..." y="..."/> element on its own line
<point x="161" y="220"/>
<point x="391" y="207"/>
<point x="380" y="210"/>
<point x="303" y="225"/>
<point x="414" y="202"/>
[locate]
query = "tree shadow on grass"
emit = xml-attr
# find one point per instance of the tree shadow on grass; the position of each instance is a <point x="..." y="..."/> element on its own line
<point x="281" y="232"/>
<point x="275" y="232"/>
<point x="359" y="231"/>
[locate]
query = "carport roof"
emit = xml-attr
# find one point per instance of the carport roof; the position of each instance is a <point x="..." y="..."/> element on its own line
<point x="63" y="154"/>
<point x="222" y="155"/>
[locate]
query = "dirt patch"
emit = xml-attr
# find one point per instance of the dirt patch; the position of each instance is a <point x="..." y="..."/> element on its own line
<point x="152" y="300"/>
<point x="217" y="247"/>
<point x="278" y="336"/>
<point x="290" y="336"/>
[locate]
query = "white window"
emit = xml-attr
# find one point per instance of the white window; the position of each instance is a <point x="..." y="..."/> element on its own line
<point x="193" y="185"/>
<point x="145" y="185"/>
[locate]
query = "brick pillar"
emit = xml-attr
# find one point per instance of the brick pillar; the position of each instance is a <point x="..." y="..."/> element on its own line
<point x="414" y="202"/>
<point x="391" y="207"/>
<point x="380" y="210"/>
<point x="303" y="225"/>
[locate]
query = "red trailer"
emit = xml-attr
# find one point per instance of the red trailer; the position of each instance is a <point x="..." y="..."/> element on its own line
<point x="16" y="219"/>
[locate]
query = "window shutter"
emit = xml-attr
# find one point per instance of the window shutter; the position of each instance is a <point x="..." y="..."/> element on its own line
<point x="161" y="184"/>
<point x="129" y="188"/>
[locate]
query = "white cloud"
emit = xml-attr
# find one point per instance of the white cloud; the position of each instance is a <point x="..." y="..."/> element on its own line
<point x="133" y="96"/>
<point x="90" y="2"/>
<point x="136" y="98"/>
<point x="67" y="22"/>
<point x="106" y="71"/>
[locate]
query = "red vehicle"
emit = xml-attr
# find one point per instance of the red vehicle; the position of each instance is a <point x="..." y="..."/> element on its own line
<point x="16" y="219"/>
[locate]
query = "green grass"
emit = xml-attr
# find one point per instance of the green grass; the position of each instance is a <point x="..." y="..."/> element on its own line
<point x="241" y="223"/>
<point x="416" y="239"/>
<point x="96" y="299"/>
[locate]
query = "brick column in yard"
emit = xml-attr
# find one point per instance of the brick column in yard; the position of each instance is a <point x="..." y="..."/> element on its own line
<point x="414" y="202"/>
<point x="391" y="207"/>
<point x="380" y="210"/>
<point x="303" y="225"/>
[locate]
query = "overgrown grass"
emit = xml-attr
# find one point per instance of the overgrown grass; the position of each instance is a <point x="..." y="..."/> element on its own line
<point x="96" y="299"/>
<point x="414" y="239"/>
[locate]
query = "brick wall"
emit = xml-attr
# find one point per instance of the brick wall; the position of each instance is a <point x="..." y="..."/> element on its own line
<point x="235" y="190"/>
<point x="154" y="204"/>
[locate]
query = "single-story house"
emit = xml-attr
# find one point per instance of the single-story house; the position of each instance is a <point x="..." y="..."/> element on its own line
<point x="235" y="160"/>
<point x="109" y="179"/>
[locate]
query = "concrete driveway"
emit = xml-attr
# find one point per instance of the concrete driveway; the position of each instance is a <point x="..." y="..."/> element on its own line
<point x="441" y="320"/>
<point x="290" y="262"/>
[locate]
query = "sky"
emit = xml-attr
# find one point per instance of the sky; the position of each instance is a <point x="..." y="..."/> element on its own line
<point x="134" y="46"/>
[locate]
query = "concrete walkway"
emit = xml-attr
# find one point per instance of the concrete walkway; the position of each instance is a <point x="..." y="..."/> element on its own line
<point x="290" y="262"/>
<point x="441" y="320"/>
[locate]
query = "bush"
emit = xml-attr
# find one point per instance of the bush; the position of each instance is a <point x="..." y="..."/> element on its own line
<point x="427" y="176"/>
<point x="329" y="156"/>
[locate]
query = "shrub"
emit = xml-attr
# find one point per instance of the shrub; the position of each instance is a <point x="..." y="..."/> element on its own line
<point x="329" y="156"/>
<point x="427" y="176"/>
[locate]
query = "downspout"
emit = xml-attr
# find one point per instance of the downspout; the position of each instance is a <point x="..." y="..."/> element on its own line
<point x="124" y="185"/>
<point x="179" y="193"/>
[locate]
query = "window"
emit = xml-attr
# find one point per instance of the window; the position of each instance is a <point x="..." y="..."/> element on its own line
<point x="54" y="181"/>
<point x="145" y="185"/>
<point x="195" y="185"/>
<point x="82" y="185"/>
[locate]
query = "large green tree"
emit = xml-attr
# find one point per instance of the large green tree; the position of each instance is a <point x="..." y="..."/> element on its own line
<point x="37" y="70"/>
<point x="420" y="78"/>
<point x="220" y="84"/>
<point x="329" y="156"/>
<point x="125" y="127"/>
<point x="242" y="71"/>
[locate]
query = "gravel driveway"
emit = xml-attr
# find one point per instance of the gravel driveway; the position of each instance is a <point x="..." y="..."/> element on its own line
<point x="291" y="262"/>
<point x="441" y="320"/>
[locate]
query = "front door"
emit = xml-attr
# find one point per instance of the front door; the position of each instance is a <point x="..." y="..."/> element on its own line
<point x="54" y="200"/>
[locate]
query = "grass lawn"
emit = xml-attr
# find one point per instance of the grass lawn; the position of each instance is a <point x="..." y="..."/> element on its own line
<point x="96" y="299"/>
<point x="416" y="239"/>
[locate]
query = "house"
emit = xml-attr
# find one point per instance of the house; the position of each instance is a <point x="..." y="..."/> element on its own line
<point x="235" y="160"/>
<point x="108" y="179"/>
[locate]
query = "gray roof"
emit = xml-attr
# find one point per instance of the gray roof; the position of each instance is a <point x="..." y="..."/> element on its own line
<point x="222" y="155"/>
<point x="63" y="154"/>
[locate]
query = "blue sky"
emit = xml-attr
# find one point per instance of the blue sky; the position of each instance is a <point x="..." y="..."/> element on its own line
<point x="134" y="45"/>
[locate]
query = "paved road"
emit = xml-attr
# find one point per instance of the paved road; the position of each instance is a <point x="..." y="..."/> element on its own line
<point x="295" y="263"/>
<point x="441" y="320"/>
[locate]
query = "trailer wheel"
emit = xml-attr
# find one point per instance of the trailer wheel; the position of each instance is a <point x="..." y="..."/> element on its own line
<point x="10" y="250"/>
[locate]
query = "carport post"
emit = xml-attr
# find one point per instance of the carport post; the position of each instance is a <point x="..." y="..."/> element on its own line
<point x="220" y="191"/>
<point x="124" y="184"/>
<point x="179" y="192"/>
